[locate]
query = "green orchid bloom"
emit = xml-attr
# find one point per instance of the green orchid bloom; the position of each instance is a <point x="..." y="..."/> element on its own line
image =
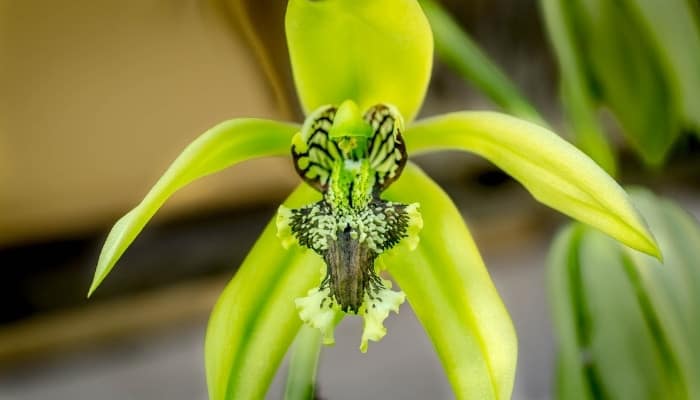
<point x="361" y="68"/>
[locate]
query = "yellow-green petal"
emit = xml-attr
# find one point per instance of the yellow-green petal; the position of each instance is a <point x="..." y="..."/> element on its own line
<point x="555" y="172"/>
<point x="368" y="51"/>
<point x="224" y="145"/>
<point x="449" y="288"/>
<point x="375" y="310"/>
<point x="255" y="318"/>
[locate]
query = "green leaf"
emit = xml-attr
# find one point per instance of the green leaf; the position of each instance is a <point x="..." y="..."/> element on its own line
<point x="628" y="325"/>
<point x="673" y="28"/>
<point x="623" y="346"/>
<point x="303" y="363"/>
<point x="555" y="172"/>
<point x="565" y="297"/>
<point x="672" y="289"/>
<point x="255" y="319"/>
<point x="628" y="72"/>
<point x="449" y="288"/>
<point x="369" y="51"/>
<point x="222" y="146"/>
<point x="578" y="100"/>
<point x="456" y="49"/>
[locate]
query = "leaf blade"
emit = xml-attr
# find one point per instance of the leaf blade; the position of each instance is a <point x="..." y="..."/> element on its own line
<point x="576" y="93"/>
<point x="555" y="172"/>
<point x="462" y="54"/>
<point x="222" y="146"/>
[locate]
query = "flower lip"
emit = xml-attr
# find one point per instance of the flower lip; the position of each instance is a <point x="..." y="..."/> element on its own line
<point x="352" y="226"/>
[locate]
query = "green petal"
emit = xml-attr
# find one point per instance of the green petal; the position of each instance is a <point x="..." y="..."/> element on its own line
<point x="555" y="172"/>
<point x="369" y="51"/>
<point x="222" y="146"/>
<point x="255" y="319"/>
<point x="315" y="315"/>
<point x="450" y="290"/>
<point x="376" y="310"/>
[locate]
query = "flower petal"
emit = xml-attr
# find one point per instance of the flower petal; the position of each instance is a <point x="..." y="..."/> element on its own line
<point x="320" y="312"/>
<point x="255" y="318"/>
<point x="453" y="296"/>
<point x="555" y="172"/>
<point x="224" y="145"/>
<point x="376" y="310"/>
<point x="368" y="51"/>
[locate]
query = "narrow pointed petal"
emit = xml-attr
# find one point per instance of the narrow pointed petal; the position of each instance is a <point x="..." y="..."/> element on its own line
<point x="255" y="320"/>
<point x="224" y="145"/>
<point x="368" y="51"/>
<point x="450" y="290"/>
<point x="555" y="172"/>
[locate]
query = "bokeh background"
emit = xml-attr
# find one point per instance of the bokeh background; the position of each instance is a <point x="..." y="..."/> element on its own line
<point x="98" y="97"/>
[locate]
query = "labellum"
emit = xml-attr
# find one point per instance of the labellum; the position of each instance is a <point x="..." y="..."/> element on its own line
<point x="351" y="159"/>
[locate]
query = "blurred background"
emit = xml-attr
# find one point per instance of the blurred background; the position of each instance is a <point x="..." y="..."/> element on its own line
<point x="98" y="97"/>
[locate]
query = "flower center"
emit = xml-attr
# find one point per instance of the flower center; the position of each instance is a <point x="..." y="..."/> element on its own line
<point x="351" y="159"/>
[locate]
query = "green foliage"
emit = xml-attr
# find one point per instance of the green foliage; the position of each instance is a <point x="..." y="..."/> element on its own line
<point x="627" y="325"/>
<point x="456" y="49"/>
<point x="576" y="93"/>
<point x="639" y="58"/>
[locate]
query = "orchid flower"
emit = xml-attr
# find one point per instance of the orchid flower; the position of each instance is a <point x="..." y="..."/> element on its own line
<point x="361" y="69"/>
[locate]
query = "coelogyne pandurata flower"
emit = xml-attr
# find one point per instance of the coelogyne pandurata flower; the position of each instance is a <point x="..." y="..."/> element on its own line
<point x="361" y="68"/>
<point x="351" y="163"/>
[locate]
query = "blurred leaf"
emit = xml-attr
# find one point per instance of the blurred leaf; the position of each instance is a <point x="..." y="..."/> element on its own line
<point x="628" y="74"/>
<point x="386" y="57"/>
<point x="555" y="172"/>
<point x="222" y="146"/>
<point x="255" y="318"/>
<point x="456" y="49"/>
<point x="673" y="288"/>
<point x="673" y="26"/>
<point x="450" y="290"/>
<point x="575" y="90"/>
<point x="622" y="345"/>
<point x="573" y="372"/>
<point x="628" y="326"/>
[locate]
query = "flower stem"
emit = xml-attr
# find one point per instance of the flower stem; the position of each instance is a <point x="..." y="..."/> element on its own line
<point x="303" y="364"/>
